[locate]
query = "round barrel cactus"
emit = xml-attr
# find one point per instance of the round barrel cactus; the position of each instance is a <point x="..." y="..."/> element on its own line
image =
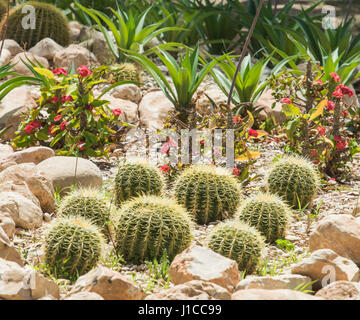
<point x="295" y="180"/>
<point x="49" y="22"/>
<point x="135" y="179"/>
<point x="237" y="241"/>
<point x="208" y="193"/>
<point x="124" y="72"/>
<point x="148" y="226"/>
<point x="73" y="246"/>
<point x="88" y="203"/>
<point x="267" y="213"/>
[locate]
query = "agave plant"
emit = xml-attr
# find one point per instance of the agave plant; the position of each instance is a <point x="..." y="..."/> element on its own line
<point x="186" y="76"/>
<point x="128" y="29"/>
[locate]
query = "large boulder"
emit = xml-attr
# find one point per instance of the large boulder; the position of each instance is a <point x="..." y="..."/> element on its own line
<point x="129" y="109"/>
<point x="7" y="250"/>
<point x="5" y="149"/>
<point x="154" y="109"/>
<point x="200" y="263"/>
<point x="340" y="290"/>
<point x="46" y="48"/>
<point x="129" y="92"/>
<point x="325" y="263"/>
<point x="109" y="284"/>
<point x="5" y="57"/>
<point x="278" y="294"/>
<point x="38" y="184"/>
<point x="64" y="172"/>
<point x="286" y="281"/>
<point x="7" y="224"/>
<point x="22" y="57"/>
<point x="12" y="46"/>
<point x="30" y="155"/>
<point x="74" y="54"/>
<point x="192" y="290"/>
<point x="23" y="211"/>
<point x="340" y="233"/>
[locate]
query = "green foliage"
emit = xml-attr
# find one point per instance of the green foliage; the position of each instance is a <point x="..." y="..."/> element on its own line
<point x="294" y="179"/>
<point x="88" y="203"/>
<point x="50" y="23"/>
<point x="3" y="8"/>
<point x="135" y="179"/>
<point x="208" y="193"/>
<point x="69" y="118"/>
<point x="73" y="246"/>
<point x="267" y="213"/>
<point x="285" y="245"/>
<point x="148" y="226"/>
<point x="237" y="241"/>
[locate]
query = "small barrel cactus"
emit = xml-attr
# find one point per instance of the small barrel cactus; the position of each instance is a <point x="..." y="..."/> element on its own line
<point x="49" y="22"/>
<point x="208" y="193"/>
<point x="237" y="241"/>
<point x="88" y="203"/>
<point x="135" y="179"/>
<point x="267" y="213"/>
<point x="295" y="180"/>
<point x="124" y="72"/>
<point x="73" y="246"/>
<point x="148" y="226"/>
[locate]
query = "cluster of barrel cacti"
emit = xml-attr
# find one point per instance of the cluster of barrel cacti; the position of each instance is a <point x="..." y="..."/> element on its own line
<point x="147" y="222"/>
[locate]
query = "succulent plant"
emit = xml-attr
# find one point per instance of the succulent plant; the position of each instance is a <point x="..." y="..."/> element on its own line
<point x="267" y="213"/>
<point x="50" y="22"/>
<point x="124" y="72"/>
<point x="208" y="193"/>
<point x="237" y="241"/>
<point x="88" y="203"/>
<point x="294" y="179"/>
<point x="148" y="226"/>
<point x="135" y="179"/>
<point x="73" y="246"/>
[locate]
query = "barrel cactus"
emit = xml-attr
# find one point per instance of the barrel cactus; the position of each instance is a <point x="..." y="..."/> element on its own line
<point x="73" y="246"/>
<point x="88" y="203"/>
<point x="124" y="72"/>
<point x="208" y="193"/>
<point x="148" y="226"/>
<point x="295" y="180"/>
<point x="134" y="179"/>
<point x="267" y="213"/>
<point x="237" y="241"/>
<point x="50" y="22"/>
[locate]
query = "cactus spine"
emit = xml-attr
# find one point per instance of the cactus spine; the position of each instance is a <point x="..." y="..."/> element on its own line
<point x="73" y="246"/>
<point x="135" y="179"/>
<point x="237" y="241"/>
<point x="267" y="213"/>
<point x="208" y="193"/>
<point x="50" y="23"/>
<point x="295" y="180"/>
<point x="147" y="226"/>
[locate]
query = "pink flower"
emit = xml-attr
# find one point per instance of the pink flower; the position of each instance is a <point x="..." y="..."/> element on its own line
<point x="337" y="94"/>
<point x="253" y="133"/>
<point x="116" y="112"/>
<point x="345" y="113"/>
<point x="335" y="76"/>
<point x="340" y="145"/>
<point x="330" y="105"/>
<point x="63" y="125"/>
<point x="66" y="98"/>
<point x="338" y="138"/>
<point x="345" y="90"/>
<point x="54" y="99"/>
<point x="59" y="71"/>
<point x="165" y="168"/>
<point x="319" y="81"/>
<point x="236" y="171"/>
<point x="35" y="124"/>
<point x="286" y="101"/>
<point x="321" y="130"/>
<point x="57" y="118"/>
<point x="84" y="71"/>
<point x="29" y="129"/>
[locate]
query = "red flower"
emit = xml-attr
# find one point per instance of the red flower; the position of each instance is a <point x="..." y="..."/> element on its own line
<point x="81" y="145"/>
<point x="35" y="124"/>
<point x="29" y="129"/>
<point x="57" y="118"/>
<point x="345" y="113"/>
<point x="330" y="105"/>
<point x="337" y="94"/>
<point x="89" y="107"/>
<point x="116" y="112"/>
<point x="59" y="71"/>
<point x="313" y="152"/>
<point x="236" y="171"/>
<point x="335" y="76"/>
<point x="55" y="100"/>
<point x="84" y="71"/>
<point x="319" y="81"/>
<point x="237" y="119"/>
<point x="253" y="133"/>
<point x="165" y="168"/>
<point x="286" y="100"/>
<point x="345" y="90"/>
<point x="66" y="98"/>
<point x="63" y="125"/>
<point x="50" y="130"/>
<point x="340" y="145"/>
<point x="321" y="130"/>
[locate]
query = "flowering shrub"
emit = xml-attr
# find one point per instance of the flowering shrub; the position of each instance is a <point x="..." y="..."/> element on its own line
<point x="318" y="117"/>
<point x="68" y="117"/>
